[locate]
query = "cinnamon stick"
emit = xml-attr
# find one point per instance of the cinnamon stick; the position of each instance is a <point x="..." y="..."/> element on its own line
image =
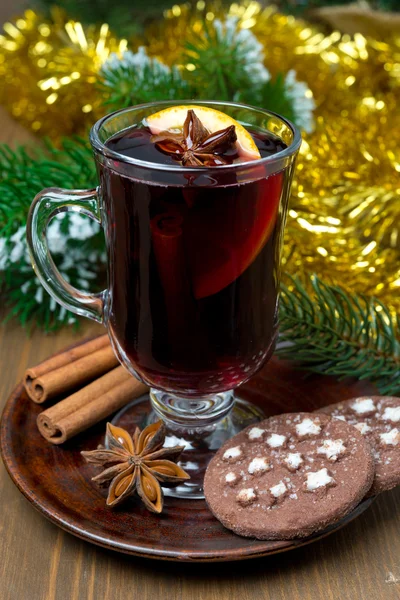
<point x="89" y="405"/>
<point x="65" y="371"/>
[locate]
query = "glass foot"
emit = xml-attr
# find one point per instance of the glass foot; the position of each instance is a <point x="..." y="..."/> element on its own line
<point x="200" y="444"/>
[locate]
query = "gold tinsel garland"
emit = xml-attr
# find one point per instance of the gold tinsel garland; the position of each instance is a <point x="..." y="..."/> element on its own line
<point x="49" y="70"/>
<point x="345" y="208"/>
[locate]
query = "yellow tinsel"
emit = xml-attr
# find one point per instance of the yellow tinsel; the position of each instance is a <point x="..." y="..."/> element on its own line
<point x="345" y="210"/>
<point x="49" y="70"/>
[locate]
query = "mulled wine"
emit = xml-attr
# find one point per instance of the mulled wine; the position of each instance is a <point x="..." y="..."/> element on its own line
<point x="193" y="268"/>
<point x="192" y="199"/>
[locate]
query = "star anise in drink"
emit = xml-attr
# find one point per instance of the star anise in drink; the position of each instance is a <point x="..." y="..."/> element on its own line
<point x="195" y="146"/>
<point x="137" y="465"/>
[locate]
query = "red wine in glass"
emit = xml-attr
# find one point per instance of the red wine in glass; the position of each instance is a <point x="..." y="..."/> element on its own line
<point x="194" y="271"/>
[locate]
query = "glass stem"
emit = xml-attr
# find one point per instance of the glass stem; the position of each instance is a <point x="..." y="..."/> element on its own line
<point x="193" y="415"/>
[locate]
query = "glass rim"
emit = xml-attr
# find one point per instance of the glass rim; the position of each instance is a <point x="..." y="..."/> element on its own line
<point x="99" y="146"/>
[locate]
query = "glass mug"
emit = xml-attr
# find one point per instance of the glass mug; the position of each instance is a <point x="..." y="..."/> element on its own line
<point x="193" y="264"/>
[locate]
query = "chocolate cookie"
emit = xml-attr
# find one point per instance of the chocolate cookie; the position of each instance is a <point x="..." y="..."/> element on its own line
<point x="289" y="476"/>
<point x="378" y="420"/>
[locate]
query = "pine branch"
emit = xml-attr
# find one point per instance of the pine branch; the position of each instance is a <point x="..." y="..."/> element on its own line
<point x="224" y="61"/>
<point x="23" y="173"/>
<point x="137" y="78"/>
<point x="27" y="301"/>
<point x="332" y="333"/>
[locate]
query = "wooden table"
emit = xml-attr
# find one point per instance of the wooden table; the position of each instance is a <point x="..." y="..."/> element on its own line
<point x="38" y="561"/>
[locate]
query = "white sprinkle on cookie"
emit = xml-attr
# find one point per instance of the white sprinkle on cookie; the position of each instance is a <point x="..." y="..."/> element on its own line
<point x="391" y="438"/>
<point x="318" y="479"/>
<point x="308" y="427"/>
<point x="275" y="440"/>
<point x="258" y="465"/>
<point x="362" y="427"/>
<point x="293" y="460"/>
<point x="278" y="490"/>
<point x="232" y="478"/>
<point x="255" y="433"/>
<point x="363" y="406"/>
<point x="232" y="454"/>
<point x="391" y="413"/>
<point x="246" y="496"/>
<point x="332" y="449"/>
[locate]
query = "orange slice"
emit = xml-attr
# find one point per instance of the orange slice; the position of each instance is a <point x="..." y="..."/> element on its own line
<point x="224" y="240"/>
<point x="173" y="118"/>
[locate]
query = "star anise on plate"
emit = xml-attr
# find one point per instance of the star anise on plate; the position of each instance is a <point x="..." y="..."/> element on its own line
<point x="137" y="465"/>
<point x="196" y="146"/>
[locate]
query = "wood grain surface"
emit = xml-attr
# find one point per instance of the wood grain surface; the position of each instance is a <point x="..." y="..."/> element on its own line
<point x="38" y="561"/>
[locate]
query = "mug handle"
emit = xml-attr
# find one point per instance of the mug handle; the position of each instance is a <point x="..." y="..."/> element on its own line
<point x="45" y="206"/>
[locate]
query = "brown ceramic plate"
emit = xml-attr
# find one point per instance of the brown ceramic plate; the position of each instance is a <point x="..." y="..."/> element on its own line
<point x="57" y="481"/>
